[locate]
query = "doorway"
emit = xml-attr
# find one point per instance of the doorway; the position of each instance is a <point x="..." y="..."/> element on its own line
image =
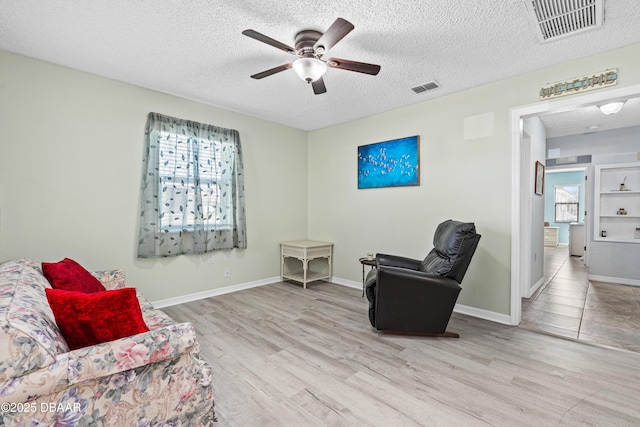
<point x="572" y="306"/>
<point x="522" y="218"/>
<point x="570" y="303"/>
<point x="557" y="305"/>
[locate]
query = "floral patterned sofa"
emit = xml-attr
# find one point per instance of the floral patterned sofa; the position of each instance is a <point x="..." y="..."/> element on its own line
<point x="152" y="378"/>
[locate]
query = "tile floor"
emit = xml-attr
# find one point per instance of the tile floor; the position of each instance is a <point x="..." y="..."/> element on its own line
<point x="569" y="305"/>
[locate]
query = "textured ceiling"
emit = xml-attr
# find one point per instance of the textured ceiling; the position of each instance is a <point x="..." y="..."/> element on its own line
<point x="195" y="48"/>
<point x="590" y="119"/>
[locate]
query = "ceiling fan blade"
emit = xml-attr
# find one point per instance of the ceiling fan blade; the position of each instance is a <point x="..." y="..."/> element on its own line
<point x="318" y="86"/>
<point x="271" y="71"/>
<point x="335" y="33"/>
<point x="268" y="40"/>
<point x="359" y="67"/>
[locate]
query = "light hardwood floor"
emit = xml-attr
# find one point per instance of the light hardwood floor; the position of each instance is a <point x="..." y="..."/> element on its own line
<point x="570" y="305"/>
<point x="284" y="356"/>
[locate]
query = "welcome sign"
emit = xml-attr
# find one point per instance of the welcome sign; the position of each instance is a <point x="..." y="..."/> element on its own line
<point x="580" y="84"/>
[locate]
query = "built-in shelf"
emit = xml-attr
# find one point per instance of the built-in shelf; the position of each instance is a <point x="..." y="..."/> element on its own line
<point x="617" y="187"/>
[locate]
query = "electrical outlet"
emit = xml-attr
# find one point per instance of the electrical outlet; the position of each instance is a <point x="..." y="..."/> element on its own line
<point x="210" y="260"/>
<point x="227" y="272"/>
<point x="227" y="255"/>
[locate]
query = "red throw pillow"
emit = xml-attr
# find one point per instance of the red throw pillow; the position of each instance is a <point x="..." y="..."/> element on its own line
<point x="70" y="276"/>
<point x="89" y="319"/>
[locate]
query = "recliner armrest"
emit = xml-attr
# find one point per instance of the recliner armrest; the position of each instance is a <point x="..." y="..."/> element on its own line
<point x="402" y="277"/>
<point x="413" y="301"/>
<point x="397" y="261"/>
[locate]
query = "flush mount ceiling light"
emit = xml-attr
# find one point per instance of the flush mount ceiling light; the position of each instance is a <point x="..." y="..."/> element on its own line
<point x="611" y="108"/>
<point x="309" y="69"/>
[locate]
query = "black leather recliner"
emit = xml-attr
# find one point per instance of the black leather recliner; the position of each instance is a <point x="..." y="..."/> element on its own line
<point x="410" y="296"/>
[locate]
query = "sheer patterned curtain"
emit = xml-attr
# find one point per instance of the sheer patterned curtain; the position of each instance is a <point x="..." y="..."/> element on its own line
<point x="192" y="189"/>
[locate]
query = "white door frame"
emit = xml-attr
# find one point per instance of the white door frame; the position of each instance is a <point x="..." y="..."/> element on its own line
<point x="526" y="204"/>
<point x="520" y="217"/>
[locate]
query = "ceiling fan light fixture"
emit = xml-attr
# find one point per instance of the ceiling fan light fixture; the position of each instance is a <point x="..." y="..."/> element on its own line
<point x="611" y="108"/>
<point x="310" y="45"/>
<point x="309" y="69"/>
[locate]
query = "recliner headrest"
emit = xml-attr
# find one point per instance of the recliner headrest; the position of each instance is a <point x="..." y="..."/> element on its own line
<point x="449" y="236"/>
<point x="454" y="244"/>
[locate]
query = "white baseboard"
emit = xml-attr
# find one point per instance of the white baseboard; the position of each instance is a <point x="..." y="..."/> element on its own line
<point x="534" y="288"/>
<point x="492" y="316"/>
<point x="459" y="308"/>
<point x="616" y="280"/>
<point x="347" y="283"/>
<point x="463" y="309"/>
<point x="214" y="292"/>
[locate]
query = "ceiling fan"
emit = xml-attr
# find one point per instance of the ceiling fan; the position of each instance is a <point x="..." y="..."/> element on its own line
<point x="310" y="45"/>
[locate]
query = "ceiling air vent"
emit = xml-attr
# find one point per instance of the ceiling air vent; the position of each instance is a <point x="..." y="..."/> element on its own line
<point x="554" y="19"/>
<point x="425" y="87"/>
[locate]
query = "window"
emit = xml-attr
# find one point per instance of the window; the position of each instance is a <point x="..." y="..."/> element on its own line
<point x="566" y="200"/>
<point x="192" y="189"/>
<point x="192" y="182"/>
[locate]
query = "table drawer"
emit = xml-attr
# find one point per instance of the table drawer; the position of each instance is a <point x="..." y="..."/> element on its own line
<point x="293" y="251"/>
<point x="308" y="253"/>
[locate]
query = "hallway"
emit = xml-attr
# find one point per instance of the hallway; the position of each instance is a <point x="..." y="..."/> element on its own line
<point x="570" y="306"/>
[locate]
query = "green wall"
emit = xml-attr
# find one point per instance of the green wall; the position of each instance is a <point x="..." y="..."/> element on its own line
<point x="71" y="148"/>
<point x="462" y="177"/>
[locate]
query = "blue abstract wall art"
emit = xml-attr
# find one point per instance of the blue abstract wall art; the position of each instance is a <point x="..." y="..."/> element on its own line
<point x="394" y="163"/>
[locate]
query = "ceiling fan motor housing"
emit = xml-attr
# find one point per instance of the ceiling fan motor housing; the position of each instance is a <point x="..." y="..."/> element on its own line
<point x="304" y="42"/>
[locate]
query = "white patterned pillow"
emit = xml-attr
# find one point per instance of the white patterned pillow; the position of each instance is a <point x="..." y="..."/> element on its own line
<point x="29" y="336"/>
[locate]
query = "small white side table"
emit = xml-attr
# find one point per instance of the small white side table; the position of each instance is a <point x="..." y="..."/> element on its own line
<point x="305" y="251"/>
<point x="551" y="236"/>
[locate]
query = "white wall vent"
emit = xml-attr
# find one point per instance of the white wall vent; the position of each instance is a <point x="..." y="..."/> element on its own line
<point x="426" y="87"/>
<point x="573" y="160"/>
<point x="554" y="19"/>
